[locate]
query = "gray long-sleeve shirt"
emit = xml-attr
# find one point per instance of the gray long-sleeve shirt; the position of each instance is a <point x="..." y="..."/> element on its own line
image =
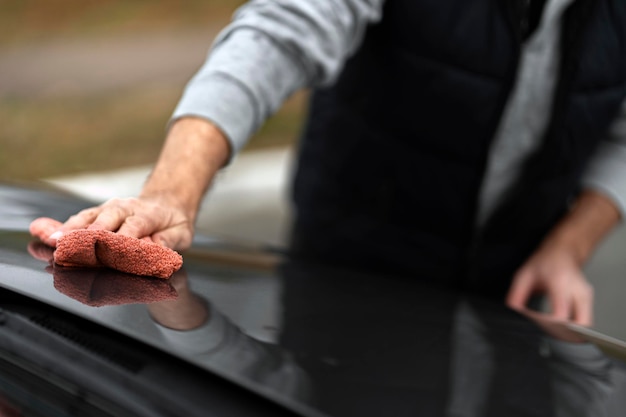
<point x="274" y="47"/>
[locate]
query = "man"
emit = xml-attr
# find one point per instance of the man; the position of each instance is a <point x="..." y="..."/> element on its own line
<point x="446" y="140"/>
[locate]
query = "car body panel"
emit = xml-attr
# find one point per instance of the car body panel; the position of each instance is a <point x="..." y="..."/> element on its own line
<point x="323" y="341"/>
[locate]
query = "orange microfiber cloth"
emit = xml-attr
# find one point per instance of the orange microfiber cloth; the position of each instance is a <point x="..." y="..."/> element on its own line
<point x="101" y="248"/>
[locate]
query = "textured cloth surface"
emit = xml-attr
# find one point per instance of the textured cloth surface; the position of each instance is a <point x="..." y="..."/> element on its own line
<point x="101" y="248"/>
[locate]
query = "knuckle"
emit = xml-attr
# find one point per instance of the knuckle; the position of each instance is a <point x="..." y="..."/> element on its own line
<point x="73" y="218"/>
<point x="117" y="216"/>
<point x="136" y="222"/>
<point x="88" y="212"/>
<point x="77" y="220"/>
<point x="115" y="201"/>
<point x="110" y="214"/>
<point x="185" y="242"/>
<point x="127" y="202"/>
<point x="587" y="290"/>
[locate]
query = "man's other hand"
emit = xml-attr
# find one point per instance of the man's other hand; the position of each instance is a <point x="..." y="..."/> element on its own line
<point x="557" y="274"/>
<point x="555" y="269"/>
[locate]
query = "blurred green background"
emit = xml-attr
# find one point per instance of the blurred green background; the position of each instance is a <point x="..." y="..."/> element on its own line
<point x="90" y="85"/>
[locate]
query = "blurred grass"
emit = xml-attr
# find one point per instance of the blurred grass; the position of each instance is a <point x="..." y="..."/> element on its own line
<point x="34" y="20"/>
<point x="63" y="135"/>
<point x="51" y="137"/>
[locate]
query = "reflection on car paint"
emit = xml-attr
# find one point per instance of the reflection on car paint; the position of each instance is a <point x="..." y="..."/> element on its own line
<point x="97" y="287"/>
<point x="347" y="343"/>
<point x="194" y="327"/>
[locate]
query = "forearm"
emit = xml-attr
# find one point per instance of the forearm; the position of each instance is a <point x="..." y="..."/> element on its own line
<point x="193" y="152"/>
<point x="555" y="267"/>
<point x="592" y="217"/>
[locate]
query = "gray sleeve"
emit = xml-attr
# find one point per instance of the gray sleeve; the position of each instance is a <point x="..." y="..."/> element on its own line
<point x="271" y="49"/>
<point x="606" y="172"/>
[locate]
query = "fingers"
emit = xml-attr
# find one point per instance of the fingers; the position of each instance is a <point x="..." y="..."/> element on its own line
<point x="560" y="301"/>
<point x="159" y="227"/>
<point x="521" y="289"/>
<point x="582" y="306"/>
<point x="154" y="221"/>
<point x="569" y="294"/>
<point x="178" y="238"/>
<point x="133" y="217"/>
<point x="108" y="216"/>
<point x="44" y="228"/>
<point x="138" y="226"/>
<point x="81" y="220"/>
<point x="571" y="298"/>
<point x="113" y="214"/>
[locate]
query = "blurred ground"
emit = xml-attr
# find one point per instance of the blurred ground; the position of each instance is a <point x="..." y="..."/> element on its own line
<point x="90" y="85"/>
<point x="58" y="68"/>
<point x="38" y="20"/>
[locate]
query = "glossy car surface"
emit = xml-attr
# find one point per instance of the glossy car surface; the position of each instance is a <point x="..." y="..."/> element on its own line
<point x="236" y="333"/>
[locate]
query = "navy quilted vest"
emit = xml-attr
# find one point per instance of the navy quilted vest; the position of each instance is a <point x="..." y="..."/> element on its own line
<point x="392" y="159"/>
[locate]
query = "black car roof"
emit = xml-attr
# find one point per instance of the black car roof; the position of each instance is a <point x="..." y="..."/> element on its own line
<point x="318" y="340"/>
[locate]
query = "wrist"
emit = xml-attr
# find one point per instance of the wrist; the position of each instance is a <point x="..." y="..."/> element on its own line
<point x="193" y="152"/>
<point x="578" y="234"/>
<point x="566" y="244"/>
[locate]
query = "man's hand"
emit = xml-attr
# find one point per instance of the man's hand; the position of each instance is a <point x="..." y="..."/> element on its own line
<point x="556" y="273"/>
<point x="167" y="207"/>
<point x="555" y="269"/>
<point x="160" y="221"/>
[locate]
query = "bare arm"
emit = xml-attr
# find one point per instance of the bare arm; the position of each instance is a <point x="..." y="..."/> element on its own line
<point x="166" y="210"/>
<point x="193" y="152"/>
<point x="556" y="267"/>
